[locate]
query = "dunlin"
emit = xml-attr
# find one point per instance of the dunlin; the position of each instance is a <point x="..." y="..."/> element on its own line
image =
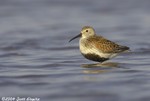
<point x="97" y="48"/>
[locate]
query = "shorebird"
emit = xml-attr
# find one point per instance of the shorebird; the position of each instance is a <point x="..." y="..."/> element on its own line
<point x="97" y="48"/>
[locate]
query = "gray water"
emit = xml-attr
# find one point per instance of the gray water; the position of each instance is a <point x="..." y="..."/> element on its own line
<point x="37" y="61"/>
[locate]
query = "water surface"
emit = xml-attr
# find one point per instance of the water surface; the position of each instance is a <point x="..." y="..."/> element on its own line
<point x="36" y="59"/>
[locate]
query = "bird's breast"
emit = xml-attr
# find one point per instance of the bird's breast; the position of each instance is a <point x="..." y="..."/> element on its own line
<point x="87" y="48"/>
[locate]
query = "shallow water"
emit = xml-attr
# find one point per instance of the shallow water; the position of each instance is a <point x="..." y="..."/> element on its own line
<point x="37" y="61"/>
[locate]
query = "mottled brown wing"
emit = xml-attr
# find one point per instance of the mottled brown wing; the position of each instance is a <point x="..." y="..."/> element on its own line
<point x="105" y="45"/>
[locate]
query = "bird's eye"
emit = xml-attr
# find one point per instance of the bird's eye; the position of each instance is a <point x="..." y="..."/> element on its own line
<point x="86" y="30"/>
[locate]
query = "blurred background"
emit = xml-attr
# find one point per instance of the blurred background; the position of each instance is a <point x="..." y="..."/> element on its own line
<point x="36" y="59"/>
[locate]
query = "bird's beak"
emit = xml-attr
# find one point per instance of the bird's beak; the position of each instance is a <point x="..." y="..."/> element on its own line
<point x="75" y="37"/>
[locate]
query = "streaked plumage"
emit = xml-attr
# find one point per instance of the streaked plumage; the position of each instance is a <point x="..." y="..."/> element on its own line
<point x="97" y="48"/>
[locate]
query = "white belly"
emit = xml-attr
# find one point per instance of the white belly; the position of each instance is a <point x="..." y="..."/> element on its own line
<point x="92" y="50"/>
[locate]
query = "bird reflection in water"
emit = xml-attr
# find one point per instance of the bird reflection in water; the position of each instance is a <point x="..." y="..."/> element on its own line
<point x="100" y="67"/>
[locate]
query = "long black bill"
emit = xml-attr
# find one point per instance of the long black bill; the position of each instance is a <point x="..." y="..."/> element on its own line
<point x="75" y="37"/>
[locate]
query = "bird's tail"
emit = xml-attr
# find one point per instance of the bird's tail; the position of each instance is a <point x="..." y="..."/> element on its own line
<point x="125" y="49"/>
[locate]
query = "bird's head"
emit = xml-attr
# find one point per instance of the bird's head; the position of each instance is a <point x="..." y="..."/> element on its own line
<point x="86" y="31"/>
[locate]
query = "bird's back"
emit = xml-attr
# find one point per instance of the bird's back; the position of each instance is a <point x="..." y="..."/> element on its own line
<point x="104" y="45"/>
